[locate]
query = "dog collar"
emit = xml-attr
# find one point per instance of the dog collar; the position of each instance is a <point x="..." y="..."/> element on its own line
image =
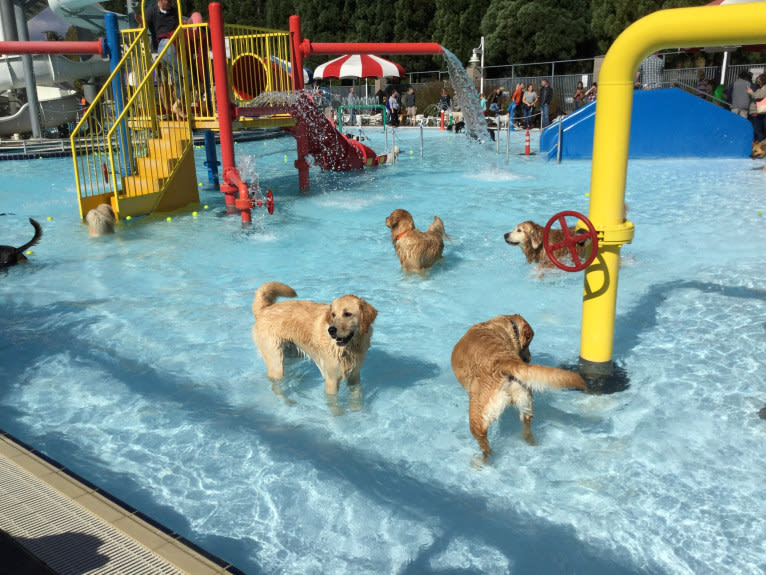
<point x="515" y="330"/>
<point x="402" y="235"/>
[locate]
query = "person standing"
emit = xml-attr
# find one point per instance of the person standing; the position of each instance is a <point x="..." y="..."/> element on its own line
<point x="649" y="74"/>
<point x="351" y="102"/>
<point x="410" y="104"/>
<point x="579" y="96"/>
<point x="592" y="92"/>
<point x="756" y="117"/>
<point x="546" y="97"/>
<point x="161" y="22"/>
<point x="529" y="102"/>
<point x="704" y="87"/>
<point x="396" y="106"/>
<point x="740" y="99"/>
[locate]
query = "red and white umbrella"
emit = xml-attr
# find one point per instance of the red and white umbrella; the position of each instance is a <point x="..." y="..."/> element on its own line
<point x="358" y="66"/>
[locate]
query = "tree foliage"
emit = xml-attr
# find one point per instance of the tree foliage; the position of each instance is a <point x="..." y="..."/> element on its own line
<point x="515" y="31"/>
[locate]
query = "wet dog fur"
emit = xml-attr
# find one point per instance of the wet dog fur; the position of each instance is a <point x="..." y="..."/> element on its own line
<point x="491" y="362"/>
<point x="100" y="220"/>
<point x="529" y="237"/>
<point x="417" y="251"/>
<point x="10" y="256"/>
<point x="335" y="336"/>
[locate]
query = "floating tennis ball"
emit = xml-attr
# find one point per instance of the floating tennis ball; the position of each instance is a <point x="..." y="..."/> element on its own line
<point x="205" y="206"/>
<point x="50" y="218"/>
<point x="29" y="252"/>
<point x="168" y="219"/>
<point x="194" y="214"/>
<point x="128" y="218"/>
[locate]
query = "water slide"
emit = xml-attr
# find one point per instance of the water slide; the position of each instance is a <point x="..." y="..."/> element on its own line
<point x="52" y="70"/>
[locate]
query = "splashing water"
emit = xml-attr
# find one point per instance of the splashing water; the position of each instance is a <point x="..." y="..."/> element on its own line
<point x="468" y="99"/>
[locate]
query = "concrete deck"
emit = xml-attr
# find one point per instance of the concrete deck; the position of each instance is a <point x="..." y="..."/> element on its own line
<point x="59" y="523"/>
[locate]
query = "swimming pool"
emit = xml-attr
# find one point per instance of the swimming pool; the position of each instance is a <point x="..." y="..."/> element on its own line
<point x="129" y="359"/>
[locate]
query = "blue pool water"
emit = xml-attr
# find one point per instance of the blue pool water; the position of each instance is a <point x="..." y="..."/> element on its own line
<point x="129" y="359"/>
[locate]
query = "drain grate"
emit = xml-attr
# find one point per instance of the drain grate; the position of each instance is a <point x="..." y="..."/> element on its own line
<point x="68" y="538"/>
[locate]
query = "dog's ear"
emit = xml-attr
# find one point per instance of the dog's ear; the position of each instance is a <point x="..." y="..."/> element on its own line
<point x="526" y="333"/>
<point x="328" y="316"/>
<point x="367" y="315"/>
<point x="535" y="236"/>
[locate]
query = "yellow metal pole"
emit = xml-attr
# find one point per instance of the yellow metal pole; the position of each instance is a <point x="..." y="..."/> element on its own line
<point x="731" y="24"/>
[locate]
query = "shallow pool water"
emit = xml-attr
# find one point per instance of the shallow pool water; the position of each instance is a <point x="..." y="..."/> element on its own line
<point x="129" y="359"/>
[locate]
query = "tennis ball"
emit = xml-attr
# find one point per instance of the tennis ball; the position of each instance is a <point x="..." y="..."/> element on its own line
<point x="128" y="218"/>
<point x="29" y="252"/>
<point x="168" y="219"/>
<point x="194" y="214"/>
<point x="50" y="218"/>
<point x="205" y="206"/>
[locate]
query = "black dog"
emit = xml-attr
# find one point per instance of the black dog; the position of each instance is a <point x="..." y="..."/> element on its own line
<point x="459" y="126"/>
<point x="10" y="256"/>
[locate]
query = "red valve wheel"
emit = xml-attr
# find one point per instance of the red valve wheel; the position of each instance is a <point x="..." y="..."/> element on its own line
<point x="570" y="241"/>
<point x="270" y="202"/>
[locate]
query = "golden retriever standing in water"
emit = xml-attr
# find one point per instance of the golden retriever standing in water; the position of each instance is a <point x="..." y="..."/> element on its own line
<point x="336" y="336"/>
<point x="417" y="251"/>
<point x="491" y="361"/>
<point x="100" y="220"/>
<point x="529" y="236"/>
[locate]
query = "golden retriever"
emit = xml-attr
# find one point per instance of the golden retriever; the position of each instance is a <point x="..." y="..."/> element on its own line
<point x="10" y="255"/>
<point x="491" y="361"/>
<point x="335" y="336"/>
<point x="759" y="150"/>
<point x="100" y="220"/>
<point x="529" y="237"/>
<point x="417" y="251"/>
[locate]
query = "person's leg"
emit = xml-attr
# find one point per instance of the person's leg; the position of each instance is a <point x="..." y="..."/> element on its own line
<point x="170" y="61"/>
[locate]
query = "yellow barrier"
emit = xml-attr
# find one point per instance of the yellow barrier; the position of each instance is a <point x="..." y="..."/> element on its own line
<point x="727" y="25"/>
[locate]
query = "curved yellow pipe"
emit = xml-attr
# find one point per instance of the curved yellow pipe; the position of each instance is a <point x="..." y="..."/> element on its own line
<point x="726" y="25"/>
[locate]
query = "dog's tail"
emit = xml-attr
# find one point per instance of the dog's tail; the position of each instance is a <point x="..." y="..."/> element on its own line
<point x="268" y="293"/>
<point x="34" y="240"/>
<point x="438" y="226"/>
<point x="544" y="378"/>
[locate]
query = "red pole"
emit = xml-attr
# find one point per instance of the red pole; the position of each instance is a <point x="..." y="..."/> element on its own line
<point x="218" y="46"/>
<point x="329" y="48"/>
<point x="526" y="144"/>
<point x="44" y="47"/>
<point x="296" y="54"/>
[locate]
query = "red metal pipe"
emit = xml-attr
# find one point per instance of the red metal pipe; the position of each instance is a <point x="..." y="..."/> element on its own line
<point x="380" y="48"/>
<point x="44" y="47"/>
<point x="296" y="54"/>
<point x="218" y="47"/>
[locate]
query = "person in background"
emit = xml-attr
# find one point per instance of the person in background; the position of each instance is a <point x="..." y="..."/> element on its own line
<point x="757" y="118"/>
<point x="395" y="106"/>
<point x="546" y="97"/>
<point x="495" y="101"/>
<point x="592" y="92"/>
<point x="517" y="95"/>
<point x="704" y="87"/>
<point x="410" y="104"/>
<point x="579" y="96"/>
<point x="529" y="101"/>
<point x="445" y="102"/>
<point x="161" y="22"/>
<point x="740" y="99"/>
<point x="649" y="74"/>
<point x="483" y="104"/>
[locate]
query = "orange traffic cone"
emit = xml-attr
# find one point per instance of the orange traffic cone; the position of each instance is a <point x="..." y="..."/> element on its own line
<point x="526" y="144"/>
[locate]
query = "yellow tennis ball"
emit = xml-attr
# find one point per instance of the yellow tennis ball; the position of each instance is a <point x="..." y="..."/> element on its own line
<point x="194" y="214"/>
<point x="205" y="206"/>
<point x="29" y="252"/>
<point x="128" y="218"/>
<point x="50" y="218"/>
<point x="168" y="219"/>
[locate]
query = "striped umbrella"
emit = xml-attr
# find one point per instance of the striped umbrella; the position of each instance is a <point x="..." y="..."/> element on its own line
<point x="358" y="66"/>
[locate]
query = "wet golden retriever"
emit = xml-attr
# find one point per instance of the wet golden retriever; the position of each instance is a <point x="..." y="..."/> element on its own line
<point x="417" y="251"/>
<point x="529" y="237"/>
<point x="491" y="361"/>
<point x="10" y="255"/>
<point x="335" y="336"/>
<point x="759" y="150"/>
<point x="100" y="220"/>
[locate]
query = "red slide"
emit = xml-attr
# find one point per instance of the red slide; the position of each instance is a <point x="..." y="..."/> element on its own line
<point x="331" y="150"/>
